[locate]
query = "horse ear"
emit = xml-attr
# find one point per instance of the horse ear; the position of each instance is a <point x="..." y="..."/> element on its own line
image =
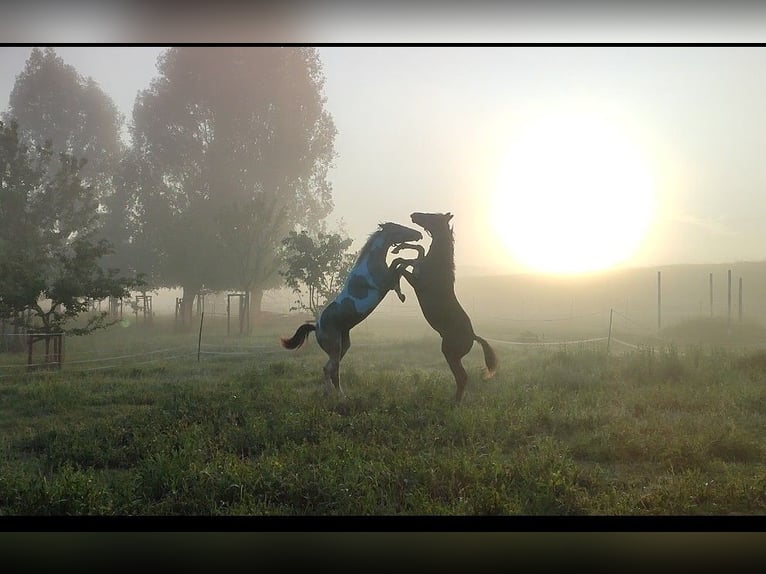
<point x="449" y="216"/>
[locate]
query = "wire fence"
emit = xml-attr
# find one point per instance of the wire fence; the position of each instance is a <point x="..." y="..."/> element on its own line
<point x="620" y="329"/>
<point x="136" y="359"/>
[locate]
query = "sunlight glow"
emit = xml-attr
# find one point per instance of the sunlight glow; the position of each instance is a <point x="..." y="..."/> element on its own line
<point x="574" y="193"/>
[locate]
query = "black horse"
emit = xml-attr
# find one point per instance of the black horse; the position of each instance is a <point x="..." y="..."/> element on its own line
<point x="367" y="284"/>
<point x="433" y="279"/>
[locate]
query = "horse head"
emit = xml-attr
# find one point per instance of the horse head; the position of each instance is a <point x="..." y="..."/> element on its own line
<point x="394" y="234"/>
<point x="432" y="221"/>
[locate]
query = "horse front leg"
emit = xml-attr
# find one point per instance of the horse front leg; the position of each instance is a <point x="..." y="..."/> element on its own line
<point x="419" y="248"/>
<point x="398" y="268"/>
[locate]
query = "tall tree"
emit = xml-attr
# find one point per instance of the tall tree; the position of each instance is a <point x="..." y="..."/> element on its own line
<point x="240" y="143"/>
<point x="52" y="102"/>
<point x="49" y="253"/>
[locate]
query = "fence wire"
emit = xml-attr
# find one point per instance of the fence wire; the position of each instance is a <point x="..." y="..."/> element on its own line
<point x="621" y="326"/>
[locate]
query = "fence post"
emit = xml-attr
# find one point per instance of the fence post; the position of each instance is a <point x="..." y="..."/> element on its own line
<point x="728" y="319"/>
<point x="659" y="300"/>
<point x="740" y="300"/>
<point x="199" y="340"/>
<point x="228" y="314"/>
<point x="609" y="337"/>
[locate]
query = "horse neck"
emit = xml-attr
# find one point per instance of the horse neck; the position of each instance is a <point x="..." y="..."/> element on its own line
<point x="443" y="250"/>
<point x="375" y="248"/>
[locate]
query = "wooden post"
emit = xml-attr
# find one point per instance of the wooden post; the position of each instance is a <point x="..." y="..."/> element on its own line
<point x="228" y="314"/>
<point x="740" y="300"/>
<point x="609" y="337"/>
<point x="659" y="300"/>
<point x="241" y="314"/>
<point x="711" y="295"/>
<point x="729" y="298"/>
<point x="249" y="327"/>
<point x="199" y="340"/>
<point x="58" y="349"/>
<point x="246" y="312"/>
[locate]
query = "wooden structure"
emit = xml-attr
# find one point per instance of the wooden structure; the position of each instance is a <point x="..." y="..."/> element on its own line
<point x="115" y="307"/>
<point x="200" y="308"/>
<point x="244" y="312"/>
<point x="54" y="350"/>
<point x="144" y="304"/>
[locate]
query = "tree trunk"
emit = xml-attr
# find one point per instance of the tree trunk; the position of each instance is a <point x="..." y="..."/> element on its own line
<point x="187" y="304"/>
<point x="256" y="299"/>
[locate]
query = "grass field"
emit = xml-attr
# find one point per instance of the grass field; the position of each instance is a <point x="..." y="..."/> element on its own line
<point x="659" y="430"/>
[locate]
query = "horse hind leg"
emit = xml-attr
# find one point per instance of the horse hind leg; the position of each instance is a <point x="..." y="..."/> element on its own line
<point x="330" y="371"/>
<point x="335" y="350"/>
<point x="330" y="344"/>
<point x="345" y="343"/>
<point x="454" y="360"/>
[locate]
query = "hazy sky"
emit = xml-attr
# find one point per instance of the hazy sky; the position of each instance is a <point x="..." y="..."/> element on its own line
<point x="674" y="133"/>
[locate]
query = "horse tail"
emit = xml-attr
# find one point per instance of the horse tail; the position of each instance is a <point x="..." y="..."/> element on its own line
<point x="490" y="358"/>
<point x="299" y="337"/>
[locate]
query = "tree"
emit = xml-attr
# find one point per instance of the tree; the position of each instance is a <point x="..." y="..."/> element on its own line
<point x="315" y="267"/>
<point x="53" y="103"/>
<point x="239" y="144"/>
<point x="50" y="100"/>
<point x="136" y="233"/>
<point x="49" y="253"/>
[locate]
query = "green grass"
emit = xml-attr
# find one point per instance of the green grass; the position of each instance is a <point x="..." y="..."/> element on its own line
<point x="556" y="432"/>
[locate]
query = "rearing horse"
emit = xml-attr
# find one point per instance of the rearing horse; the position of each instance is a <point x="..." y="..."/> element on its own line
<point x="433" y="279"/>
<point x="367" y="284"/>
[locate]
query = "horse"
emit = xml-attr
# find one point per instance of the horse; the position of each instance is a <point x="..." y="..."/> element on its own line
<point x="433" y="279"/>
<point x="368" y="282"/>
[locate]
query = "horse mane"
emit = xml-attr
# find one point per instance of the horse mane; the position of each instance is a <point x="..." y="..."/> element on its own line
<point x="368" y="244"/>
<point x="452" y="251"/>
<point x="446" y="255"/>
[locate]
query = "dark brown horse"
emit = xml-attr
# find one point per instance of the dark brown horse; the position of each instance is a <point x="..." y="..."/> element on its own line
<point x="433" y="279"/>
<point x="367" y="284"/>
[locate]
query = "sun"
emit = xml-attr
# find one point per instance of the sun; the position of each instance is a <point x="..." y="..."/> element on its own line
<point x="574" y="194"/>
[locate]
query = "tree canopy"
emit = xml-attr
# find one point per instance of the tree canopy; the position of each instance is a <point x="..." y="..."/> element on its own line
<point x="49" y="253"/>
<point x="238" y="144"/>
<point x="52" y="102"/>
<point x="315" y="267"/>
<point x="229" y="153"/>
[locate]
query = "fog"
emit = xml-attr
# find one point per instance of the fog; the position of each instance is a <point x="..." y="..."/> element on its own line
<point x="575" y="173"/>
<point x="429" y="129"/>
